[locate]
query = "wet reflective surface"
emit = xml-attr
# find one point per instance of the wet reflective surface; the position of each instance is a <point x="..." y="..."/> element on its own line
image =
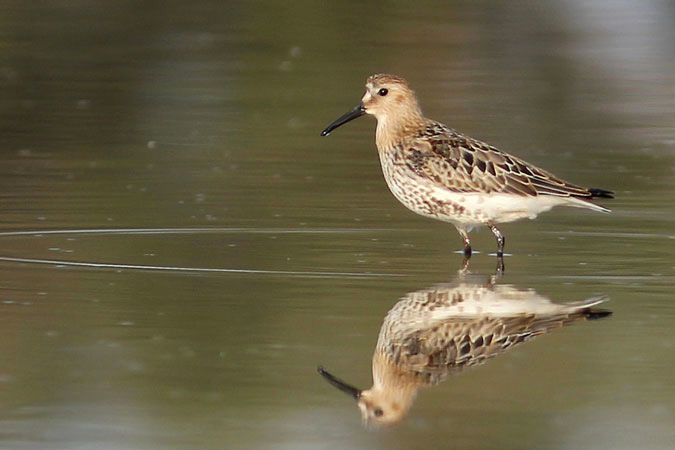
<point x="436" y="332"/>
<point x="211" y="249"/>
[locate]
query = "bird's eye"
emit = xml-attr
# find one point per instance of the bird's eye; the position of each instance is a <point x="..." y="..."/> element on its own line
<point x="378" y="412"/>
<point x="382" y="92"/>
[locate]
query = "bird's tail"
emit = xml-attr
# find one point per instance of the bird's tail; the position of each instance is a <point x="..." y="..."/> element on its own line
<point x="585" y="201"/>
<point x="585" y="308"/>
<point x="583" y="304"/>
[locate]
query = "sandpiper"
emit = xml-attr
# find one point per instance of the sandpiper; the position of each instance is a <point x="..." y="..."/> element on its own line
<point x="436" y="332"/>
<point x="440" y="173"/>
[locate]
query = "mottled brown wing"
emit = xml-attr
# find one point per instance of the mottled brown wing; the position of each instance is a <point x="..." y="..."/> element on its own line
<point x="463" y="164"/>
<point x="434" y="354"/>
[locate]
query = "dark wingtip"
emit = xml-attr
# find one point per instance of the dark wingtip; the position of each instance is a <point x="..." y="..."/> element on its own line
<point x="595" y="314"/>
<point x="600" y="193"/>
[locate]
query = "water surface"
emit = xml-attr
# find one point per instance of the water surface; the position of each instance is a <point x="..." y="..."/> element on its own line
<point x="180" y="248"/>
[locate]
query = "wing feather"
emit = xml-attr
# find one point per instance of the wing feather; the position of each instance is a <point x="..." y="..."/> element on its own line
<point x="462" y="164"/>
<point x="453" y="345"/>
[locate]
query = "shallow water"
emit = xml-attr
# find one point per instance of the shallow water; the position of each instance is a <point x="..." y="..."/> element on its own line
<point x="180" y="249"/>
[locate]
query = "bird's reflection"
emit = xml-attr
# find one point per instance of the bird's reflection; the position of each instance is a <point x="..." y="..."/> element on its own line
<point x="435" y="332"/>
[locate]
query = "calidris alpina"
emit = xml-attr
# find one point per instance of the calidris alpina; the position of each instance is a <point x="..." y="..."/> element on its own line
<point x="436" y="332"/>
<point x="440" y="173"/>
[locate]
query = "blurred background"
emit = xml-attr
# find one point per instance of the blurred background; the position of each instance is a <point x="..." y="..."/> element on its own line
<point x="180" y="248"/>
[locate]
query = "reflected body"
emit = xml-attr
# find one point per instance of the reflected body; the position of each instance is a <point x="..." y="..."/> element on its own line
<point x="436" y="332"/>
<point x="440" y="173"/>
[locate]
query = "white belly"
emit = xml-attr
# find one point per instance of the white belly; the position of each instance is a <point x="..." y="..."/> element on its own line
<point x="467" y="210"/>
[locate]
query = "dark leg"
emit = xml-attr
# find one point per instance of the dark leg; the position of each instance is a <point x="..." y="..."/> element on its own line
<point x="467" y="243"/>
<point x="465" y="265"/>
<point x="500" y="265"/>
<point x="500" y="239"/>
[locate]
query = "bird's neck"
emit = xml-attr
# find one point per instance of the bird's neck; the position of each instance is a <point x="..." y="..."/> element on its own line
<point x="391" y="128"/>
<point x="393" y="378"/>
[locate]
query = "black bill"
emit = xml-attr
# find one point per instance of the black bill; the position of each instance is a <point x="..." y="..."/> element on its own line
<point x="344" y="387"/>
<point x="351" y="115"/>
